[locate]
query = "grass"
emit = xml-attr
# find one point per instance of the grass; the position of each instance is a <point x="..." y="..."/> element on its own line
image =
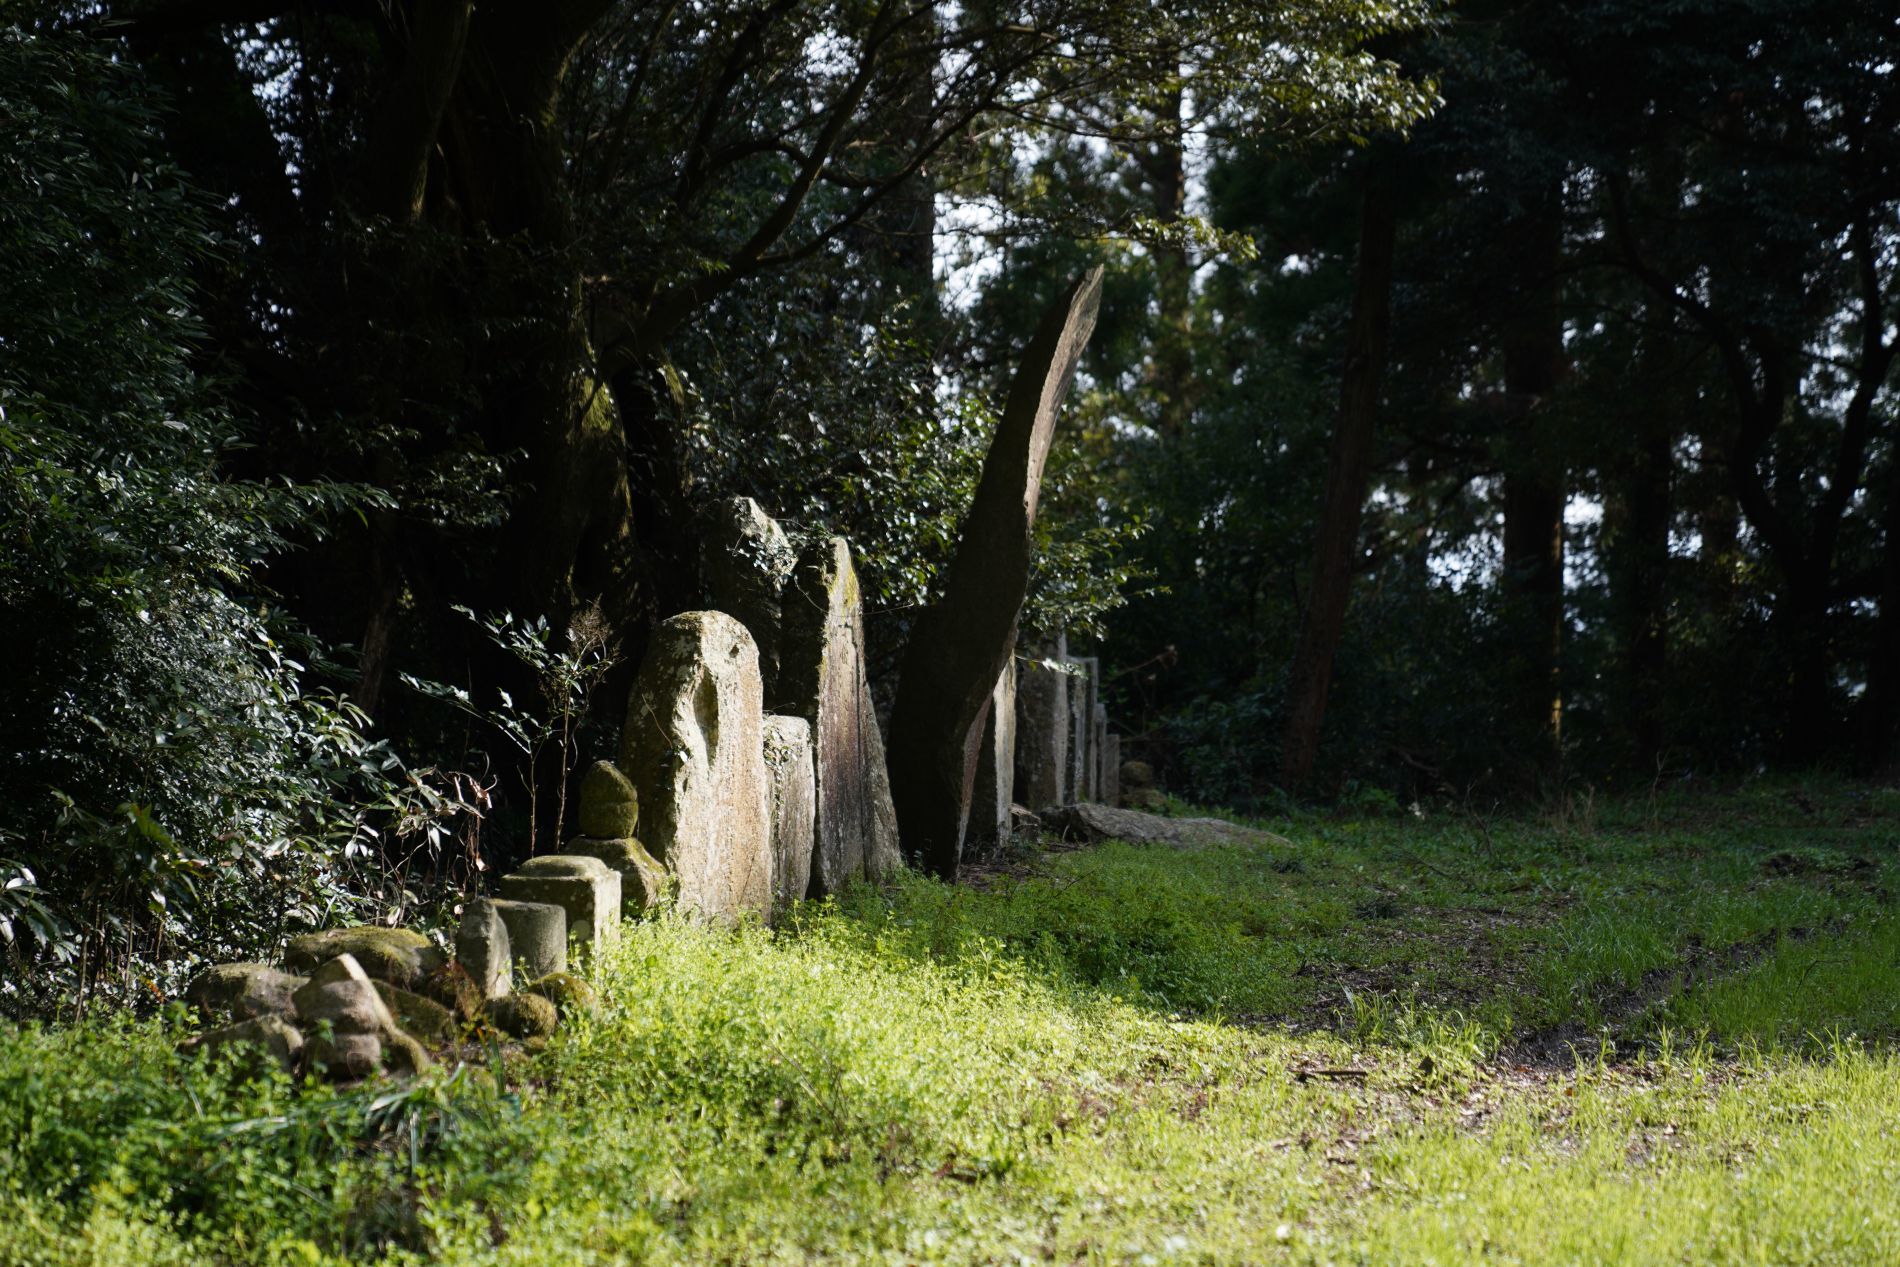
<point x="1649" y="1031"/>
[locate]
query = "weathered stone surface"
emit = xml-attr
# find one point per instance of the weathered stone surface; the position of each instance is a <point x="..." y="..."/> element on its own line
<point x="269" y="1035"/>
<point x="362" y="1032"/>
<point x="1078" y="732"/>
<point x="610" y="808"/>
<point x="341" y="993"/>
<point x="242" y="991"/>
<point x="482" y="947"/>
<point x="1098" y="755"/>
<point x="1094" y="823"/>
<point x="994" y="789"/>
<point x="644" y="882"/>
<point x="959" y="644"/>
<point x="745" y="561"/>
<point x="525" y="1015"/>
<point x="1137" y="774"/>
<point x="567" y="992"/>
<point x="1023" y="819"/>
<point x="420" y="1017"/>
<point x="396" y="955"/>
<point x="788" y="762"/>
<point x="1111" y="770"/>
<point x="537" y="935"/>
<point x="824" y="682"/>
<point x="586" y="888"/>
<point x="1042" y="724"/>
<point x="694" y="747"/>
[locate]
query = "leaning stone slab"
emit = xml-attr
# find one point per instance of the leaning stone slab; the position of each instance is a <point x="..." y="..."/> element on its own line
<point x="959" y="644"/>
<point x="610" y="808"/>
<point x="1042" y="724"/>
<point x="396" y="955"/>
<point x="537" y="935"/>
<point x="644" y="882"/>
<point x="788" y="762"/>
<point x="694" y="747"/>
<point x="1111" y="769"/>
<point x="1095" y="823"/>
<point x="482" y="947"/>
<point x="745" y="561"/>
<point x="242" y="991"/>
<point x="823" y="680"/>
<point x="586" y="888"/>
<point x="994" y="790"/>
<point x="269" y="1035"/>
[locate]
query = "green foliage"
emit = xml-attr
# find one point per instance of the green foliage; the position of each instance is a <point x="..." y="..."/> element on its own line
<point x="174" y="770"/>
<point x="957" y="1076"/>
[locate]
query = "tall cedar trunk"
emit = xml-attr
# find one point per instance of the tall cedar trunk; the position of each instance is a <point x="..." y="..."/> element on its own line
<point x="1644" y="601"/>
<point x="1534" y="494"/>
<point x="1172" y="367"/>
<point x="1636" y="525"/>
<point x="1347" y="470"/>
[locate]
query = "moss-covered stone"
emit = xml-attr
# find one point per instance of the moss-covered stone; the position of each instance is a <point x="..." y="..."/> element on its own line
<point x="524" y="1015"/>
<point x="610" y="808"/>
<point x="396" y="955"/>
<point x="569" y="993"/>
<point x="645" y="883"/>
<point x="453" y="988"/>
<point x="265" y="1038"/>
<point x="242" y="991"/>
<point x="420" y="1017"/>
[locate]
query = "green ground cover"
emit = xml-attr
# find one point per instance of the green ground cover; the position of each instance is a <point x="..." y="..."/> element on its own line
<point x="1653" y="1030"/>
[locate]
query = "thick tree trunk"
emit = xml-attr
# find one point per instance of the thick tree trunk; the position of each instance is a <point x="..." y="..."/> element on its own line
<point x="1348" y="467"/>
<point x="1534" y="492"/>
<point x="1637" y="517"/>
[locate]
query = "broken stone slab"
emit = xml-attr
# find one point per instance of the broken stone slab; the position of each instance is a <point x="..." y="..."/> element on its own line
<point x="242" y="992"/>
<point x="1023" y="819"/>
<point x="610" y="808"/>
<point x="994" y="790"/>
<point x="1111" y="769"/>
<point x="399" y="956"/>
<point x="1094" y="823"/>
<point x="960" y="643"/>
<point x="482" y="947"/>
<point x="645" y="883"/>
<point x="362" y="1034"/>
<point x="586" y="888"/>
<point x="823" y="680"/>
<point x="789" y="763"/>
<point x="694" y="747"/>
<point x="270" y="1034"/>
<point x="745" y="560"/>
<point x="1042" y="724"/>
<point x="537" y="935"/>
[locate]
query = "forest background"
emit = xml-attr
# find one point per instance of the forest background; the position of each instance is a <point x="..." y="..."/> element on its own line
<point x="1488" y="401"/>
